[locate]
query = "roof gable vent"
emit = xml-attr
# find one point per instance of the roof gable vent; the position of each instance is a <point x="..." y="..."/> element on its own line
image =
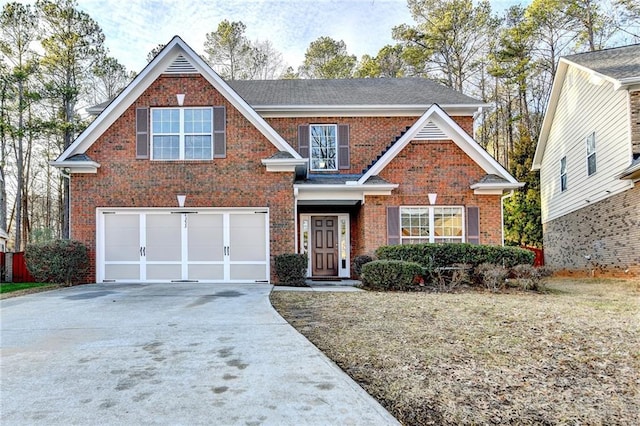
<point x="181" y="65"/>
<point x="430" y="131"/>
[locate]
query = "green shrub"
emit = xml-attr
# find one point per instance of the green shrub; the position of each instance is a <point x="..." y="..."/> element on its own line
<point x="58" y="261"/>
<point x="359" y="262"/>
<point x="291" y="269"/>
<point x="431" y="256"/>
<point x="529" y="277"/>
<point x="390" y="275"/>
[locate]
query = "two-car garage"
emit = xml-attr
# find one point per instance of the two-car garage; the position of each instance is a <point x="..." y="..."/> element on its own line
<point x="202" y="244"/>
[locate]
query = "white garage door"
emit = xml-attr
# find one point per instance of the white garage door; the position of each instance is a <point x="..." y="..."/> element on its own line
<point x="209" y="245"/>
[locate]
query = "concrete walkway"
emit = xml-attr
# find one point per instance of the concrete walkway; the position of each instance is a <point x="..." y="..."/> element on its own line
<point x="179" y="354"/>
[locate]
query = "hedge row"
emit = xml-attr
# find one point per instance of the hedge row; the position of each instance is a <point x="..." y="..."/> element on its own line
<point x="431" y="256"/>
<point x="58" y="261"/>
<point x="390" y="274"/>
<point x="291" y="269"/>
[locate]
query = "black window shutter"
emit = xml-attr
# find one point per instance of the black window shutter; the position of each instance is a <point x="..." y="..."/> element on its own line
<point x="142" y="133"/>
<point x="473" y="225"/>
<point x="393" y="225"/>
<point x="219" y="132"/>
<point x="303" y="141"/>
<point x="343" y="147"/>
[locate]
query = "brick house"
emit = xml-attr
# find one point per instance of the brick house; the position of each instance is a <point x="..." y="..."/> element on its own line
<point x="588" y="155"/>
<point x="185" y="176"/>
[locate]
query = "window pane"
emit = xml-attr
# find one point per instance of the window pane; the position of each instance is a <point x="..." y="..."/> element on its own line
<point x="197" y="147"/>
<point x="415" y="224"/>
<point x="447" y="222"/>
<point x="165" y="120"/>
<point x="323" y="147"/>
<point x="166" y="147"/>
<point x="591" y="164"/>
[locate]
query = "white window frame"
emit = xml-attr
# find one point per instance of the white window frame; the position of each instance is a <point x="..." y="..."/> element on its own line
<point x="181" y="134"/>
<point x="335" y="148"/>
<point x="431" y="238"/>
<point x="591" y="153"/>
<point x="563" y="174"/>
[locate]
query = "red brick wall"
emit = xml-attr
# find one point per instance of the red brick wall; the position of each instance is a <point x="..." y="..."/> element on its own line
<point x="368" y="136"/>
<point x="239" y="180"/>
<point x="425" y="167"/>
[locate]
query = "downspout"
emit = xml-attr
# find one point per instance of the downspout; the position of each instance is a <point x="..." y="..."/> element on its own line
<point x="66" y="173"/>
<point x="504" y="197"/>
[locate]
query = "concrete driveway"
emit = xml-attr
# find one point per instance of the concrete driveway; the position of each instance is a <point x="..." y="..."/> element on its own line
<point x="183" y="353"/>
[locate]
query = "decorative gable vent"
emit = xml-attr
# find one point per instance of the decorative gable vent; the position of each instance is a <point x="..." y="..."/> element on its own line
<point x="431" y="132"/>
<point x="181" y="65"/>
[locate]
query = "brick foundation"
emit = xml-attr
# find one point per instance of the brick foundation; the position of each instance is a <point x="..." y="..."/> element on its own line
<point x="608" y="232"/>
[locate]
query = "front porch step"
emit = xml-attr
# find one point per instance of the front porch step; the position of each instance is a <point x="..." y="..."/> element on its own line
<point x="324" y="282"/>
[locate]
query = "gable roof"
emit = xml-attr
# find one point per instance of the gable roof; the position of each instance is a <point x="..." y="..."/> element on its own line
<point x="351" y="94"/>
<point x="175" y="57"/>
<point x="620" y="63"/>
<point x="620" y="66"/>
<point x="436" y="116"/>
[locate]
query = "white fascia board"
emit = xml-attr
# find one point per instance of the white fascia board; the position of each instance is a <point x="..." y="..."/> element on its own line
<point x="147" y="76"/>
<point x="341" y="192"/>
<point x="283" y="111"/>
<point x="283" y="164"/>
<point x="77" y="166"/>
<point x="556" y="88"/>
<point x="494" y="188"/>
<point x="455" y="133"/>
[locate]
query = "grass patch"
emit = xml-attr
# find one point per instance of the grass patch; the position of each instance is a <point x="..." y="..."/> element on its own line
<point x="570" y="356"/>
<point x="25" y="288"/>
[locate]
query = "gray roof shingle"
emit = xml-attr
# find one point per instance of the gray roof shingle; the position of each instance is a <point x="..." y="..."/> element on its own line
<point x="619" y="63"/>
<point x="352" y="91"/>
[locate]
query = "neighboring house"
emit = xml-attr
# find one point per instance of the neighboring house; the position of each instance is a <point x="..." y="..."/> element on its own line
<point x="588" y="155"/>
<point x="184" y="176"/>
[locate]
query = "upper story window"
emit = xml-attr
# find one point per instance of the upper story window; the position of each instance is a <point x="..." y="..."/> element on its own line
<point x="324" y="146"/>
<point x="181" y="133"/>
<point x="563" y="174"/>
<point x="591" y="154"/>
<point x="431" y="225"/>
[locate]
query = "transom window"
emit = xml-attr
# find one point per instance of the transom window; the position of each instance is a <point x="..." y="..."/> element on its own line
<point x="563" y="174"/>
<point x="323" y="146"/>
<point x="431" y="225"/>
<point x="591" y="154"/>
<point x="181" y="133"/>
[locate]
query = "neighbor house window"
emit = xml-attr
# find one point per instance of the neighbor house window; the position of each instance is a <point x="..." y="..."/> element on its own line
<point x="563" y="174"/>
<point x="591" y="154"/>
<point x="324" y="150"/>
<point x="181" y="133"/>
<point x="431" y="225"/>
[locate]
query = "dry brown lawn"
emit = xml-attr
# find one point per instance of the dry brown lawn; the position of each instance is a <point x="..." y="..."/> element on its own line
<point x="571" y="356"/>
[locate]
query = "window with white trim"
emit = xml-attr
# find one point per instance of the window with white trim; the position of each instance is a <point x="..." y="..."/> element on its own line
<point x="323" y="146"/>
<point x="591" y="154"/>
<point x="181" y="133"/>
<point x="431" y="224"/>
<point x="563" y="174"/>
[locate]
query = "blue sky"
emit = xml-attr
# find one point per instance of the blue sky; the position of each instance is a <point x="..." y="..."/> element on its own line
<point x="133" y="27"/>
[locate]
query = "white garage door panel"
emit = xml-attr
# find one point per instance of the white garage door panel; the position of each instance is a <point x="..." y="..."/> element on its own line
<point x="164" y="237"/>
<point x="206" y="237"/>
<point x="123" y="243"/>
<point x="211" y="245"/>
<point x="248" y="272"/>
<point x="206" y="272"/>
<point x="247" y="237"/>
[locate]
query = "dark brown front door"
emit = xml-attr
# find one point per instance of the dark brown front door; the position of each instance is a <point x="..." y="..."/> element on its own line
<point x="324" y="230"/>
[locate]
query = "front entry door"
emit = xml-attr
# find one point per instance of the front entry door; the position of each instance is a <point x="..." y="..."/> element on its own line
<point x="324" y="230"/>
